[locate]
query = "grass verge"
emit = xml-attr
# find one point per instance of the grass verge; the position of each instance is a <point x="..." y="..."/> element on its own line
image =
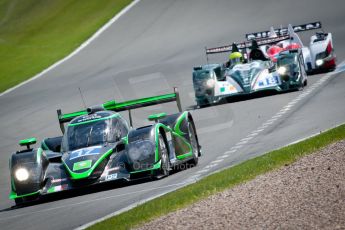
<point x="220" y="181"/>
<point x="34" y="34"/>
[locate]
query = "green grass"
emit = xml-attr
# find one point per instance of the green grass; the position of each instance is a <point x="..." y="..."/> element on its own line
<point x="220" y="181"/>
<point x="36" y="33"/>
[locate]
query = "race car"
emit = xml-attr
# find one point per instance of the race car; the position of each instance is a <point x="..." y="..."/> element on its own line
<point x="98" y="145"/>
<point x="319" y="56"/>
<point x="213" y="83"/>
<point x="210" y="92"/>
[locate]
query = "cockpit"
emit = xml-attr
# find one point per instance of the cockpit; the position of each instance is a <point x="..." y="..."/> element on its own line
<point x="99" y="128"/>
<point x="287" y="59"/>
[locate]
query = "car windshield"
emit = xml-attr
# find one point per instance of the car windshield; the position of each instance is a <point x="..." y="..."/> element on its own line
<point x="285" y="60"/>
<point x="246" y="71"/>
<point x="84" y="135"/>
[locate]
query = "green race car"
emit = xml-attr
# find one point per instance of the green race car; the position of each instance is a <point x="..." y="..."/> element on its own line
<point x="98" y="145"/>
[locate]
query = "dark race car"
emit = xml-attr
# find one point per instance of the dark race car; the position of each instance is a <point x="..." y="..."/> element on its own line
<point x="98" y="145"/>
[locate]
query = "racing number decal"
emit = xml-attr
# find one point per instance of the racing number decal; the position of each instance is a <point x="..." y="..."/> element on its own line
<point x="85" y="152"/>
<point x="270" y="81"/>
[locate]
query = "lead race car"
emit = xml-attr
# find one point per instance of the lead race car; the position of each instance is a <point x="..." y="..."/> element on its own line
<point x="99" y="146"/>
<point x="215" y="82"/>
<point x="318" y="56"/>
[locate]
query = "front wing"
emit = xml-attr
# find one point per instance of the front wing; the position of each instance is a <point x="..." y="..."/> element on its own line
<point x="231" y="88"/>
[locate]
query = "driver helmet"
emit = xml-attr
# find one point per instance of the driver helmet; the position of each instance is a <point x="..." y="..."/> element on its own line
<point x="236" y="58"/>
<point x="273" y="52"/>
<point x="293" y="46"/>
<point x="99" y="132"/>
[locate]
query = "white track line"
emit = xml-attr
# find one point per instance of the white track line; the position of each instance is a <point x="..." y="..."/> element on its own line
<point x="76" y="51"/>
<point x="216" y="161"/>
<point x="242" y="143"/>
<point x="202" y="171"/>
<point x="230" y="151"/>
<point x="211" y="165"/>
<point x="253" y="134"/>
<point x="222" y="156"/>
<point x="246" y="139"/>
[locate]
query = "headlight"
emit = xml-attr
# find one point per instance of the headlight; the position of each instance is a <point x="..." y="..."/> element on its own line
<point x="282" y="70"/>
<point x="22" y="174"/>
<point x="319" y="62"/>
<point x="210" y="83"/>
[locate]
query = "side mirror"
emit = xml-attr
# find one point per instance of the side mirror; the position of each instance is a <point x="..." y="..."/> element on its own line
<point x="28" y="142"/>
<point x="157" y="116"/>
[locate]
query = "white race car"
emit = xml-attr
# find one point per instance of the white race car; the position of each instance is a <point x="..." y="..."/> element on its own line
<point x="319" y="56"/>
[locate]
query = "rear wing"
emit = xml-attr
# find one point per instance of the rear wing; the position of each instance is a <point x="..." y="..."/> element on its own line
<point x="123" y="106"/>
<point x="284" y="31"/>
<point x="224" y="49"/>
<point x="247" y="44"/>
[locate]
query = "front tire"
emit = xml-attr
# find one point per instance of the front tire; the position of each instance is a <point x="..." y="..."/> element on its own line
<point x="305" y="83"/>
<point x="201" y="106"/>
<point x="165" y="162"/>
<point x="24" y="200"/>
<point x="19" y="201"/>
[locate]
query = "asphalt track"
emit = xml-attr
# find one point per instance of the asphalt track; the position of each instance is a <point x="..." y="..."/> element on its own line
<point x="150" y="49"/>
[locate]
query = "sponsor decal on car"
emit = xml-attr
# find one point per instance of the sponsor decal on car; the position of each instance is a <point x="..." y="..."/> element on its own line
<point x="284" y="31"/>
<point x="82" y="165"/>
<point x="232" y="88"/>
<point x="58" y="188"/>
<point x="88" y="118"/>
<point x="59" y="180"/>
<point x="111" y="177"/>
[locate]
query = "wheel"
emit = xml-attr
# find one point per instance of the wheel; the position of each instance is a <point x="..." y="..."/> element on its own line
<point x="228" y="99"/>
<point x="165" y="162"/>
<point x="200" y="105"/>
<point x="300" y="87"/>
<point x="24" y="200"/>
<point x="18" y="201"/>
<point x="305" y="83"/>
<point x="194" y="143"/>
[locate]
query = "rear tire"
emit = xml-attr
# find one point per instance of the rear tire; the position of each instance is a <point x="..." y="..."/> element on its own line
<point x="194" y="143"/>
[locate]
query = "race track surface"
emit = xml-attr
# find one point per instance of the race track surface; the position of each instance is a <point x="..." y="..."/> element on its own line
<point x="150" y="49"/>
